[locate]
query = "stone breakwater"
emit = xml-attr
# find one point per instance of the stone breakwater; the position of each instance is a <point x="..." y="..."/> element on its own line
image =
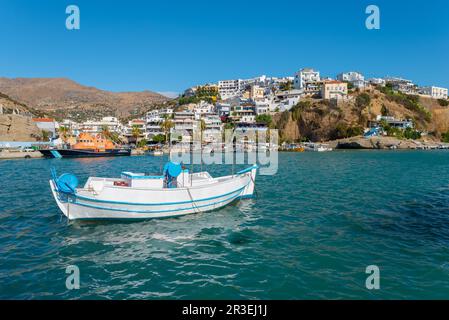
<point x="385" y="143"/>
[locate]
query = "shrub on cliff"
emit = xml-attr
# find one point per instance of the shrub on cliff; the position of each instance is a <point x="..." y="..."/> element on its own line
<point x="443" y="102"/>
<point x="445" y="137"/>
<point x="342" y="130"/>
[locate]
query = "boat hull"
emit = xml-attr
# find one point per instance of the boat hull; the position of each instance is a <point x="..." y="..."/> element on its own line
<point x="149" y="204"/>
<point x="77" y="153"/>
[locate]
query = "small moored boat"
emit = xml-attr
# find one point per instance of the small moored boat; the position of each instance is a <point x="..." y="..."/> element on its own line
<point x="139" y="196"/>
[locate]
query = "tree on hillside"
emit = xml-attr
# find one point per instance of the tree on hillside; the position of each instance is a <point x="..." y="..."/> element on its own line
<point x="286" y="86"/>
<point x="64" y="132"/>
<point x="384" y="111"/>
<point x="362" y="101"/>
<point x="135" y="133"/>
<point x="265" y="119"/>
<point x="160" y="138"/>
<point x="166" y="126"/>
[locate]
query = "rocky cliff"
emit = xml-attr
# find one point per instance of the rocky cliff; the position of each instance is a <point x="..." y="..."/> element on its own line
<point x="321" y="120"/>
<point x="16" y="121"/>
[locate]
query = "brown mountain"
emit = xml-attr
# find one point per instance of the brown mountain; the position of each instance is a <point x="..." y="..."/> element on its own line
<point x="65" y="98"/>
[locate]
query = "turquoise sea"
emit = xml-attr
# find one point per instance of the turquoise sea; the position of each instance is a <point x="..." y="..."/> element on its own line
<point x="310" y="234"/>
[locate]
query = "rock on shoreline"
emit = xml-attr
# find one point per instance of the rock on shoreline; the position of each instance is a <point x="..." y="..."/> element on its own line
<point x="360" y="142"/>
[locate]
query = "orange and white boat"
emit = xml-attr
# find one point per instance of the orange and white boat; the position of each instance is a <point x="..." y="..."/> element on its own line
<point x="88" y="145"/>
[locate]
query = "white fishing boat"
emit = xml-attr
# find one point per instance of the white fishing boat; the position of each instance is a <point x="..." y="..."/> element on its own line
<point x="158" y="153"/>
<point x="139" y="196"/>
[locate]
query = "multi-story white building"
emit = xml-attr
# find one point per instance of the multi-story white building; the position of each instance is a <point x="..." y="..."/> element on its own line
<point x="229" y="88"/>
<point x="185" y="124"/>
<point x="305" y="76"/>
<point x="203" y="107"/>
<point x="135" y="123"/>
<point x="355" y="78"/>
<point x="94" y="126"/>
<point x="154" y="120"/>
<point x="214" y="128"/>
<point x="434" y="92"/>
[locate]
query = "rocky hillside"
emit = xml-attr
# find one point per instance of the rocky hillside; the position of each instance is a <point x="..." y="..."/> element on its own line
<point x="15" y="121"/>
<point x="61" y="98"/>
<point x="320" y="120"/>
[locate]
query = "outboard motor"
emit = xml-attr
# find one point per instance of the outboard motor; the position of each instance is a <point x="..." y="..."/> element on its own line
<point x="171" y="171"/>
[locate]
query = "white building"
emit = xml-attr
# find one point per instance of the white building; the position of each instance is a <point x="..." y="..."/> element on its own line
<point x="94" y="126"/>
<point x="47" y="124"/>
<point x="434" y="92"/>
<point x="262" y="108"/>
<point x="377" y="81"/>
<point x="305" y="76"/>
<point x="355" y="78"/>
<point x="229" y="88"/>
<point x="402" y="85"/>
<point x="203" y="107"/>
<point x="140" y="124"/>
<point x="214" y="128"/>
<point x="223" y="109"/>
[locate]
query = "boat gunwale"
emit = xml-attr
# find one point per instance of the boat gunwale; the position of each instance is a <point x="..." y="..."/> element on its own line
<point x="82" y="197"/>
<point x="227" y="179"/>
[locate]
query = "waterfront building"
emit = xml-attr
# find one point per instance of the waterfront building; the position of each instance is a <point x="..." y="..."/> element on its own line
<point x="184" y="124"/>
<point x="354" y="78"/>
<point x="334" y="90"/>
<point x="47" y="124"/>
<point x="434" y="92"/>
<point x="94" y="126"/>
<point x="154" y="120"/>
<point x="214" y="128"/>
<point x="135" y="123"/>
<point x="306" y="76"/>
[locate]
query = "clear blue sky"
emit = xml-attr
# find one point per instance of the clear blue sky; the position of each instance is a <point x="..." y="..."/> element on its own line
<point x="171" y="45"/>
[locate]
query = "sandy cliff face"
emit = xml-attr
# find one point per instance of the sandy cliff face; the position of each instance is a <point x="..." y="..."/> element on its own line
<point x="17" y="128"/>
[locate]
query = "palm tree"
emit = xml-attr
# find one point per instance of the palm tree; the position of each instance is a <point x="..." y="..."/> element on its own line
<point x="136" y="132"/>
<point x="105" y="131"/>
<point x="64" y="133"/>
<point x="45" y="135"/>
<point x="166" y="126"/>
